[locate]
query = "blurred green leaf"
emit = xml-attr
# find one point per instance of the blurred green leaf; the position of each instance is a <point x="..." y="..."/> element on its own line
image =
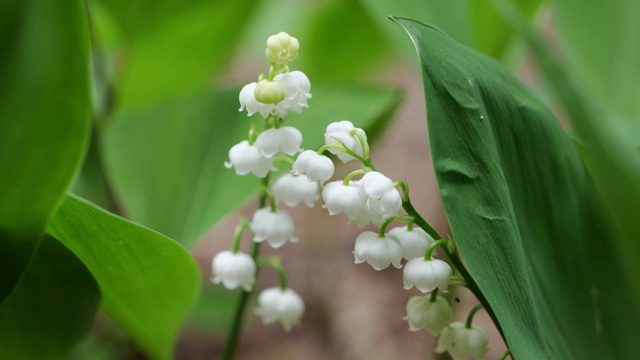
<point x="522" y="209"/>
<point x="169" y="47"/>
<point x="602" y="43"/>
<point x="472" y="22"/>
<point x="44" y="120"/>
<point x="51" y="308"/>
<point x="215" y="310"/>
<point x="148" y="282"/>
<point x="176" y="181"/>
<point x="610" y="148"/>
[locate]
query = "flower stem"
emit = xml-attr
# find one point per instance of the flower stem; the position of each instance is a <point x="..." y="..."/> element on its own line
<point x="504" y="356"/>
<point x="385" y="224"/>
<point x="243" y="224"/>
<point x="473" y="311"/>
<point x="351" y="175"/>
<point x="236" y="326"/>
<point x="276" y="264"/>
<point x="434" y="295"/>
<point x="429" y="253"/>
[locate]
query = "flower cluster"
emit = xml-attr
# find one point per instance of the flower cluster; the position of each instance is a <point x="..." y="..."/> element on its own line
<point x="272" y="96"/>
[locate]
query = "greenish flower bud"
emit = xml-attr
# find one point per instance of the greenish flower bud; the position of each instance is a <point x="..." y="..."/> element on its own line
<point x="282" y="48"/>
<point x="269" y="92"/>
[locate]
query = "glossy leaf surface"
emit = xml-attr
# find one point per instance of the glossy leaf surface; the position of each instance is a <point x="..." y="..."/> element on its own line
<point x="148" y="282"/>
<point x="522" y="208"/>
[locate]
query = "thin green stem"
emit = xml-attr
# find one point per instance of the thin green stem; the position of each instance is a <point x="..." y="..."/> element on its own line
<point x="385" y="224"/>
<point x="236" y="326"/>
<point x="363" y="143"/>
<point x="458" y="281"/>
<point x="276" y="264"/>
<point x="283" y="159"/>
<point x="505" y="355"/>
<point x="405" y="189"/>
<point x="429" y="253"/>
<point x="243" y="224"/>
<point x="351" y="175"/>
<point x="434" y="295"/>
<point x="473" y="311"/>
<point x="253" y="134"/>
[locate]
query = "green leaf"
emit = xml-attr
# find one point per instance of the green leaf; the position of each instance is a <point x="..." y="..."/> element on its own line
<point x="177" y="183"/>
<point x="169" y="47"/>
<point x="522" y="209"/>
<point x="51" y="308"/>
<point x="44" y="120"/>
<point x="472" y="22"/>
<point x="148" y="282"/>
<point x="603" y="49"/>
<point x="610" y="148"/>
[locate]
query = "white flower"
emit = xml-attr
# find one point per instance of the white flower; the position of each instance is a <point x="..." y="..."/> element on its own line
<point x="379" y="252"/>
<point x="298" y="90"/>
<point x="384" y="199"/>
<point x="339" y="198"/>
<point x="275" y="227"/>
<point x="426" y="275"/>
<point x="366" y="215"/>
<point x="462" y="342"/>
<point x="282" y="48"/>
<point x="292" y="189"/>
<point x="286" y="306"/>
<point x="286" y="139"/>
<point x="414" y="242"/>
<point x="248" y="100"/>
<point x="345" y="132"/>
<point x="432" y="316"/>
<point x="247" y="158"/>
<point x="233" y="270"/>
<point x="269" y="92"/>
<point x="316" y="167"/>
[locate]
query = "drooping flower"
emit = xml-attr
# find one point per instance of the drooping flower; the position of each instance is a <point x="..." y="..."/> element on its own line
<point x="248" y="101"/>
<point x="379" y="252"/>
<point x="414" y="242"/>
<point x="282" y="48"/>
<point x="286" y="139"/>
<point x="275" y="304"/>
<point x="246" y="158"/>
<point x="366" y="216"/>
<point x="234" y="270"/>
<point x="298" y="90"/>
<point x="292" y="189"/>
<point x="426" y="275"/>
<point x="384" y="199"/>
<point x="345" y="132"/>
<point x="274" y="227"/>
<point x="462" y="342"/>
<point x="424" y="314"/>
<point x="317" y="167"/>
<point x="340" y="198"/>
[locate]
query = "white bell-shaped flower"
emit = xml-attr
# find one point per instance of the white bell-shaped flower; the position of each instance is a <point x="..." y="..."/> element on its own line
<point x="376" y="185"/>
<point x="426" y="275"/>
<point x="424" y="314"/>
<point x="274" y="227"/>
<point x="379" y="252"/>
<point x="388" y="205"/>
<point x="345" y="132"/>
<point x="248" y="101"/>
<point x="340" y="198"/>
<point x="292" y="189"/>
<point x="414" y="242"/>
<point x="462" y="342"/>
<point x="317" y="167"/>
<point x="298" y="90"/>
<point x="282" y="48"/>
<point x="233" y="270"/>
<point x="366" y="216"/>
<point x="286" y="306"/>
<point x="286" y="139"/>
<point x="246" y="158"/>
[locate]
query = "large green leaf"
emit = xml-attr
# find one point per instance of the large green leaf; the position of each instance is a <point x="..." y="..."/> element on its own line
<point x="472" y="22"/>
<point x="522" y="209"/>
<point x="602" y="42"/>
<point x="168" y="47"/>
<point x="148" y="282"/>
<point x="610" y="147"/>
<point x="51" y="308"/>
<point x="167" y="162"/>
<point x="44" y="120"/>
